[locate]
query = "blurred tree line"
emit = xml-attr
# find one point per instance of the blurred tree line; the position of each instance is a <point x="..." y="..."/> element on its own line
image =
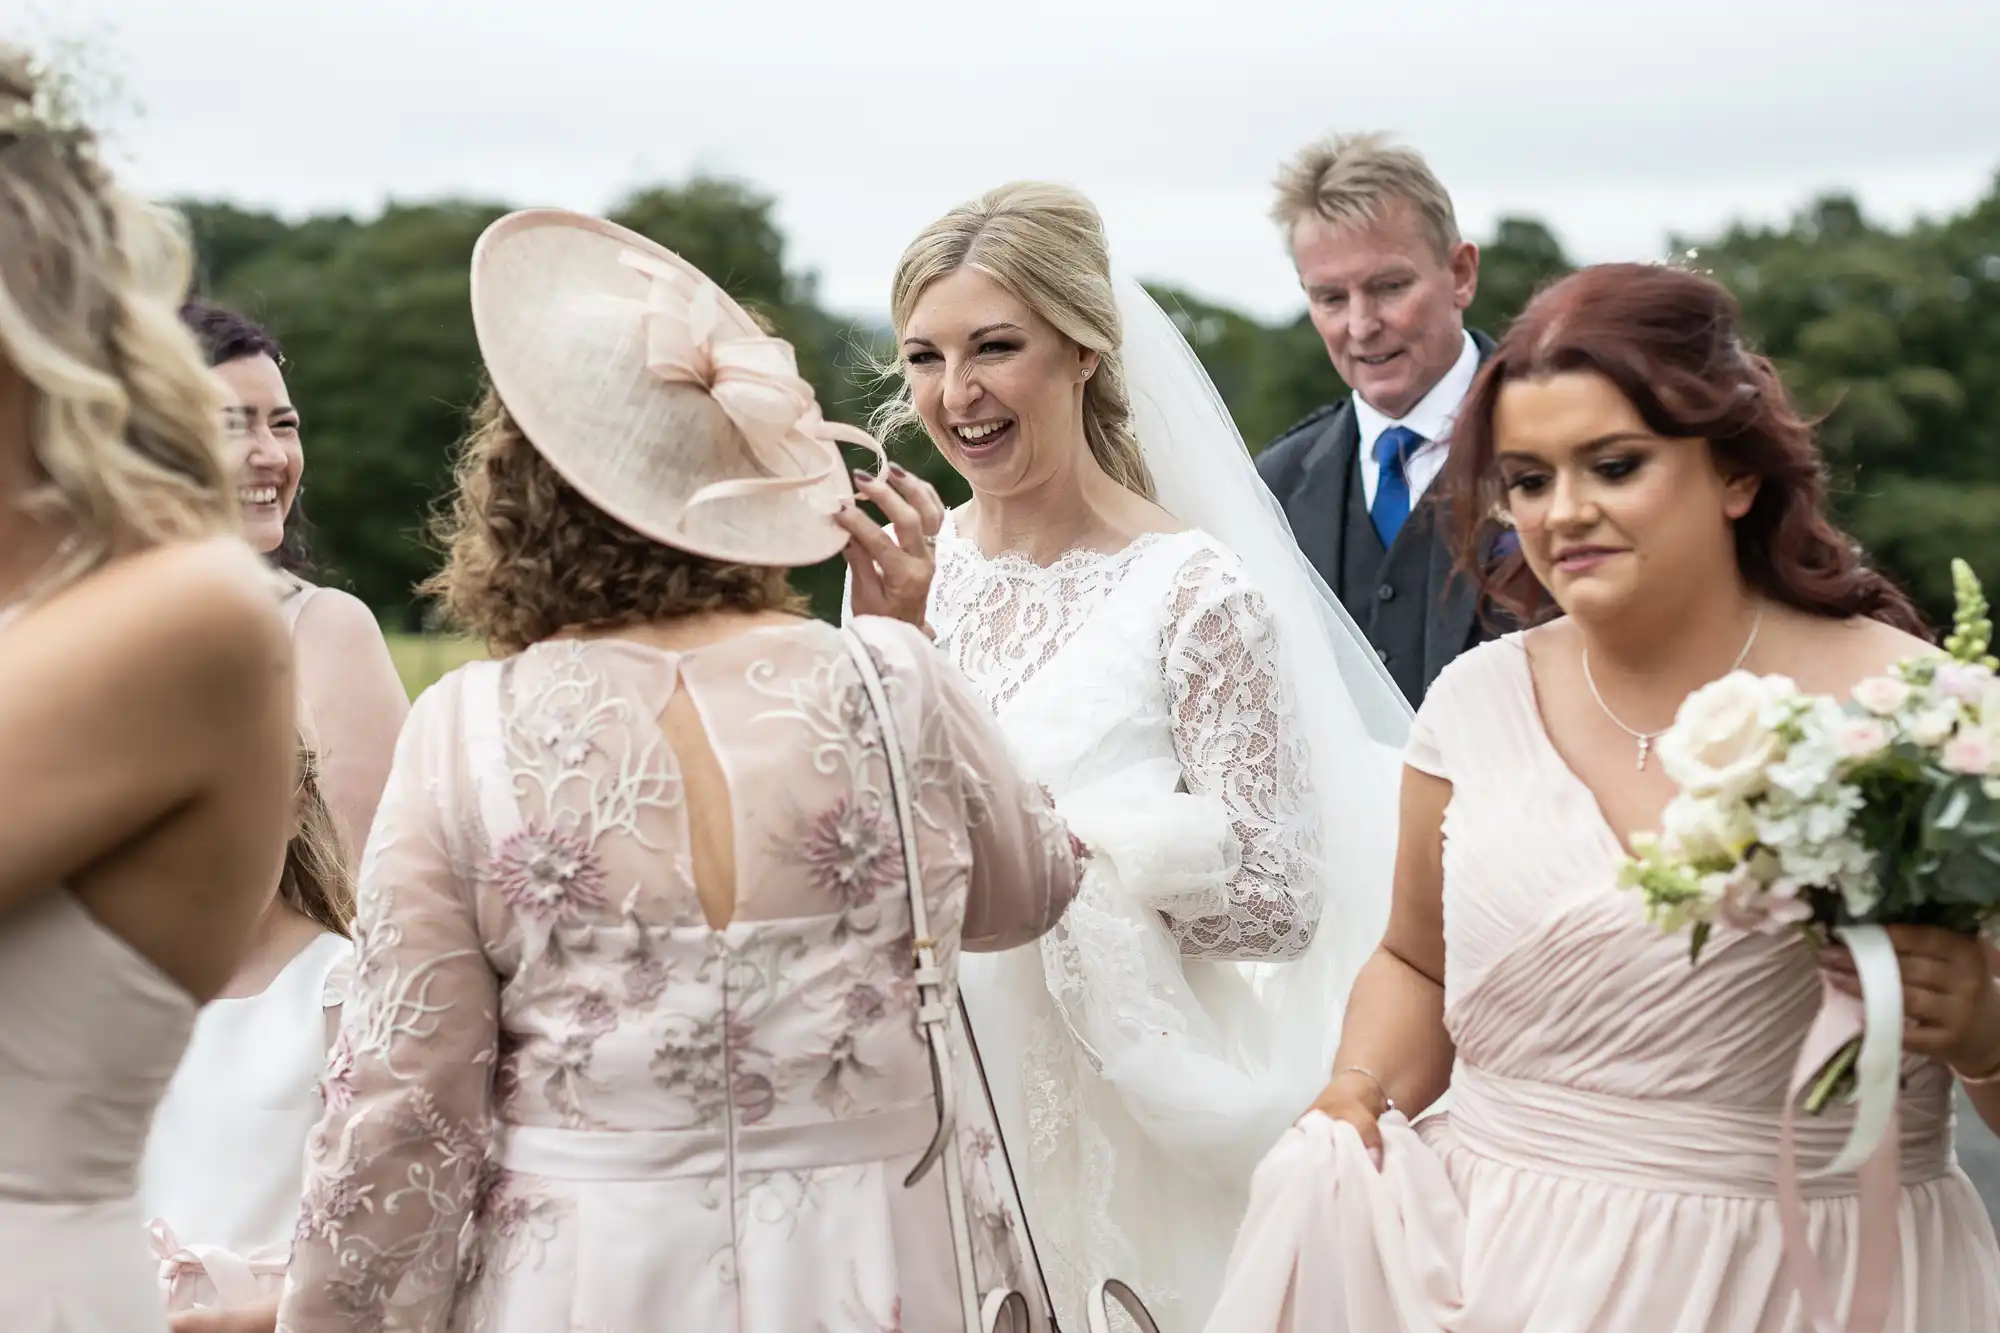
<point x="1893" y="336"/>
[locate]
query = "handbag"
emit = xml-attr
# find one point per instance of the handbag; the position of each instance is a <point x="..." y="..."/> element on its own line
<point x="1003" y="1309"/>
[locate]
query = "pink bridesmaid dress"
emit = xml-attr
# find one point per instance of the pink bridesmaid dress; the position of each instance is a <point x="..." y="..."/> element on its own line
<point x="1607" y="1163"/>
<point x="90" y="1032"/>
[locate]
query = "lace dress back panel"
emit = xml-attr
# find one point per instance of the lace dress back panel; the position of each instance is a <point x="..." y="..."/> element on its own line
<point x="651" y="1124"/>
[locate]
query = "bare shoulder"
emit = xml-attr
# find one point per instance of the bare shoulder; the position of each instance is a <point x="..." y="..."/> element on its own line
<point x="1842" y="652"/>
<point x="212" y="600"/>
<point x="340" y="622"/>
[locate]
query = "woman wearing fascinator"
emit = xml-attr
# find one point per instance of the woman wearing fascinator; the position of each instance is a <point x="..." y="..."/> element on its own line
<point x="659" y="905"/>
<point x="1125" y="595"/>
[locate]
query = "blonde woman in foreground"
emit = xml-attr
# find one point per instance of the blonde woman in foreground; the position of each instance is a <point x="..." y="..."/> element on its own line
<point x="146" y="734"/>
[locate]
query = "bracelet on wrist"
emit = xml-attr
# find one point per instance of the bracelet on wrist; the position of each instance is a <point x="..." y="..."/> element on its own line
<point x="1388" y="1102"/>
<point x="1990" y="1078"/>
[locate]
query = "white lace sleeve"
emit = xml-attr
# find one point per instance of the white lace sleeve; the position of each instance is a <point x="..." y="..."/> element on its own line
<point x="1237" y="736"/>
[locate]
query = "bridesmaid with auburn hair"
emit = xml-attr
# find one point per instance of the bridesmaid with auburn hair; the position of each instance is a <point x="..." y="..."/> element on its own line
<point x="1608" y="1162"/>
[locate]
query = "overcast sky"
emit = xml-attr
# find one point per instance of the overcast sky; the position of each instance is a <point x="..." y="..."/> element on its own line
<point x="1615" y="121"/>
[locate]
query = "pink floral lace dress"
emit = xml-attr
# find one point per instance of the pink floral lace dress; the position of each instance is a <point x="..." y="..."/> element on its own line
<point x="560" y="1100"/>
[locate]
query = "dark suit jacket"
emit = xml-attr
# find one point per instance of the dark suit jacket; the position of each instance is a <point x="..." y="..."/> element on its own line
<point x="1309" y="469"/>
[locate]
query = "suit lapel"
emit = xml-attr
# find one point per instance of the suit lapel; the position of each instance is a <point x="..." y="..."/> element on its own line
<point x="1322" y="493"/>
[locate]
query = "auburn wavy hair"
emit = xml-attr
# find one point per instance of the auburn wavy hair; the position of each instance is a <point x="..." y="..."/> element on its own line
<point x="1670" y="341"/>
<point x="528" y="557"/>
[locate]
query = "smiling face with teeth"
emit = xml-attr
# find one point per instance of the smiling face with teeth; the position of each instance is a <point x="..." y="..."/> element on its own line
<point x="263" y="446"/>
<point x="998" y="387"/>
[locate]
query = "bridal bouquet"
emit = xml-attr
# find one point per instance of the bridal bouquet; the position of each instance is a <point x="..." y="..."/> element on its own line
<point x="1803" y="811"/>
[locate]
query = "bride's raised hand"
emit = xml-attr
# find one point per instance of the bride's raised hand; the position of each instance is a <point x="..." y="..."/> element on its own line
<point x="1356" y="1097"/>
<point x="892" y="568"/>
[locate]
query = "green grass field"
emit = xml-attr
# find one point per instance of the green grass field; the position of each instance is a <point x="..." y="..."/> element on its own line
<point x="421" y="658"/>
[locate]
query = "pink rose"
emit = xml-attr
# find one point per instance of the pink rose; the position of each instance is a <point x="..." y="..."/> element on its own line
<point x="1747" y="903"/>
<point x="1969" y="752"/>
<point x="1882" y="695"/>
<point x="1862" y="737"/>
<point x="1962" y="681"/>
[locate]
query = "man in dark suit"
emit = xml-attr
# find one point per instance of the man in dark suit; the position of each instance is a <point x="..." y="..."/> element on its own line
<point x="1387" y="279"/>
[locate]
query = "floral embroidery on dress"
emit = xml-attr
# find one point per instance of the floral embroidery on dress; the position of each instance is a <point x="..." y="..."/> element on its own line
<point x="853" y="853"/>
<point x="548" y="874"/>
<point x="536" y="978"/>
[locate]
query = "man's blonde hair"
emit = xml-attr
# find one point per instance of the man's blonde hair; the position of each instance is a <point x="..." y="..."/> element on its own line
<point x="1349" y="179"/>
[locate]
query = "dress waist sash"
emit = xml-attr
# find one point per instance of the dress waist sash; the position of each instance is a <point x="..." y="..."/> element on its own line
<point x="660" y="1154"/>
<point x="1672" y="1146"/>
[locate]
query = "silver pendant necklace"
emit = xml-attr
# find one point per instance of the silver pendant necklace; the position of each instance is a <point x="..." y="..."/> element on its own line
<point x="1646" y="738"/>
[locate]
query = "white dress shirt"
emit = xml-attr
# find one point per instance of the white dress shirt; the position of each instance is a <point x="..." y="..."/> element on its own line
<point x="1431" y="418"/>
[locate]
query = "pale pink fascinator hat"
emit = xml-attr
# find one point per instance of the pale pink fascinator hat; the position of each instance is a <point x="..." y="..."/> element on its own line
<point x="593" y="335"/>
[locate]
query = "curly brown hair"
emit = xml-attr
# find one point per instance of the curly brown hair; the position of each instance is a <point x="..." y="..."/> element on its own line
<point x="529" y="557"/>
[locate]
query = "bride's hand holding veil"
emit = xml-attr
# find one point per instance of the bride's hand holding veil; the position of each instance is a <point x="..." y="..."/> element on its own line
<point x="891" y="569"/>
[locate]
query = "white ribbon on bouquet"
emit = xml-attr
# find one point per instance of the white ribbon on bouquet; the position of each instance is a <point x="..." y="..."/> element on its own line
<point x="1871" y="1147"/>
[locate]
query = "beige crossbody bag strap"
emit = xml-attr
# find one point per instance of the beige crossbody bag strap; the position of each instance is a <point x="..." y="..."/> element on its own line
<point x="1002" y="1311"/>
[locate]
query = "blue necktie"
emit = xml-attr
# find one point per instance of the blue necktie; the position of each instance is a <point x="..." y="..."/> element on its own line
<point x="1392" y="486"/>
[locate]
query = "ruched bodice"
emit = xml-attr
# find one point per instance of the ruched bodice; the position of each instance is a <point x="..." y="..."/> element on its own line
<point x="1613" y="1135"/>
<point x="91" y="1037"/>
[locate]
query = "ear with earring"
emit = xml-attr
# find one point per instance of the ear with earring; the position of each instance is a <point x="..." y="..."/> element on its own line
<point x="1501" y="516"/>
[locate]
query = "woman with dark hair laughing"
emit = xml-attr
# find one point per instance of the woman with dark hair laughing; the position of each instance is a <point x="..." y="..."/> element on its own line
<point x="350" y="698"/>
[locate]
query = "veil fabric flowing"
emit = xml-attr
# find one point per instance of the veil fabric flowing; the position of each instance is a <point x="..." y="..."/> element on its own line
<point x="1354" y="719"/>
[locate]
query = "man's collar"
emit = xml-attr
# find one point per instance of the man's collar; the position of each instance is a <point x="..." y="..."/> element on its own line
<point x="1434" y="412"/>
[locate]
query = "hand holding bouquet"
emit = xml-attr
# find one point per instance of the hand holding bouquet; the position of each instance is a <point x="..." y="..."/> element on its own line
<point x="1801" y="811"/>
<point x="1874" y="822"/>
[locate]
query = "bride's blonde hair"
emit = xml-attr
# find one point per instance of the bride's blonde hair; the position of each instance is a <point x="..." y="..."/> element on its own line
<point x="1044" y="244"/>
<point x="127" y="431"/>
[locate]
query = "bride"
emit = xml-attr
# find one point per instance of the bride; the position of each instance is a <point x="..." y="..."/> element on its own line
<point x="1129" y="601"/>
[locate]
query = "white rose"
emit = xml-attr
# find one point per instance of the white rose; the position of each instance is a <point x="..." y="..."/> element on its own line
<point x="1707" y="829"/>
<point x="1933" y="726"/>
<point x="1882" y="695"/>
<point x="1719" y="744"/>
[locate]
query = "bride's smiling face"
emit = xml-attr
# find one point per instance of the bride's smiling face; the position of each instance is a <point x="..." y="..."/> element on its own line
<point x="999" y="388"/>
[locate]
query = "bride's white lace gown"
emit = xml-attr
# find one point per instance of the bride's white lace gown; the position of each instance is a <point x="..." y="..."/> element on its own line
<point x="1143" y="688"/>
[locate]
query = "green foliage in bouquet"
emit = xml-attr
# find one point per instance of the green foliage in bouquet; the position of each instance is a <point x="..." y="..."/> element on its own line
<point x="1899" y="822"/>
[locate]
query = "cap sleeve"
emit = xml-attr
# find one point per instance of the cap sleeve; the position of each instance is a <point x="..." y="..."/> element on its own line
<point x="1423" y="752"/>
<point x="1426" y="750"/>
